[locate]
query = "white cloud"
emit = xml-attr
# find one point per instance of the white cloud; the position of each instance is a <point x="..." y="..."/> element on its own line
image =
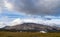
<point x="35" y="20"/>
<point x="8" y="5"/>
<point x="5" y="21"/>
<point x="25" y="20"/>
<point x="2" y="24"/>
<point x="16" y="22"/>
<point x="55" y="21"/>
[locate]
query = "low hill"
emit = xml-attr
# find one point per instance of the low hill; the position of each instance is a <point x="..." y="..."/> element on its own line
<point x="32" y="27"/>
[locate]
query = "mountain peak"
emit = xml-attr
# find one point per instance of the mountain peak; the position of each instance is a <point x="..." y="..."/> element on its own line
<point x="32" y="26"/>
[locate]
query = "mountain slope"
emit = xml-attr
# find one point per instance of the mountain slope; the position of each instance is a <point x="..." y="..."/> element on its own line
<point x="32" y="26"/>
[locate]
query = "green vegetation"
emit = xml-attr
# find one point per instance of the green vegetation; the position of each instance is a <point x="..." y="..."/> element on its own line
<point x="28" y="34"/>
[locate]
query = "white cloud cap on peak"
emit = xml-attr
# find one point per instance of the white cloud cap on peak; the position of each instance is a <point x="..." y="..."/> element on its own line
<point x="16" y="22"/>
<point x="33" y="20"/>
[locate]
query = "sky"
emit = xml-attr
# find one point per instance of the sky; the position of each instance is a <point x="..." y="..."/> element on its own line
<point x="37" y="11"/>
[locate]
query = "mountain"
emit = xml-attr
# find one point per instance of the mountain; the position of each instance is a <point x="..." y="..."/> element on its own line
<point x="32" y="26"/>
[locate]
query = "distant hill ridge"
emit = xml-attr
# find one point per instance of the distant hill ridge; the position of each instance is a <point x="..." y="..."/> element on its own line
<point x="32" y="26"/>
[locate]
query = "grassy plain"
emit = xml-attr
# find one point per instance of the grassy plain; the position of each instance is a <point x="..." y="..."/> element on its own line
<point x="28" y="34"/>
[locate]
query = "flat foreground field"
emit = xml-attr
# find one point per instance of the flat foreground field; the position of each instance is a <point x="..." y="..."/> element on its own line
<point x="28" y="34"/>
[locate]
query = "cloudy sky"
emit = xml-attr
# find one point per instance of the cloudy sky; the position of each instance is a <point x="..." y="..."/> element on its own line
<point x="38" y="11"/>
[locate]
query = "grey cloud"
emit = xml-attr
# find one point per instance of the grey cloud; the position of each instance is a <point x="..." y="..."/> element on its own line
<point x="1" y="5"/>
<point x="36" y="7"/>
